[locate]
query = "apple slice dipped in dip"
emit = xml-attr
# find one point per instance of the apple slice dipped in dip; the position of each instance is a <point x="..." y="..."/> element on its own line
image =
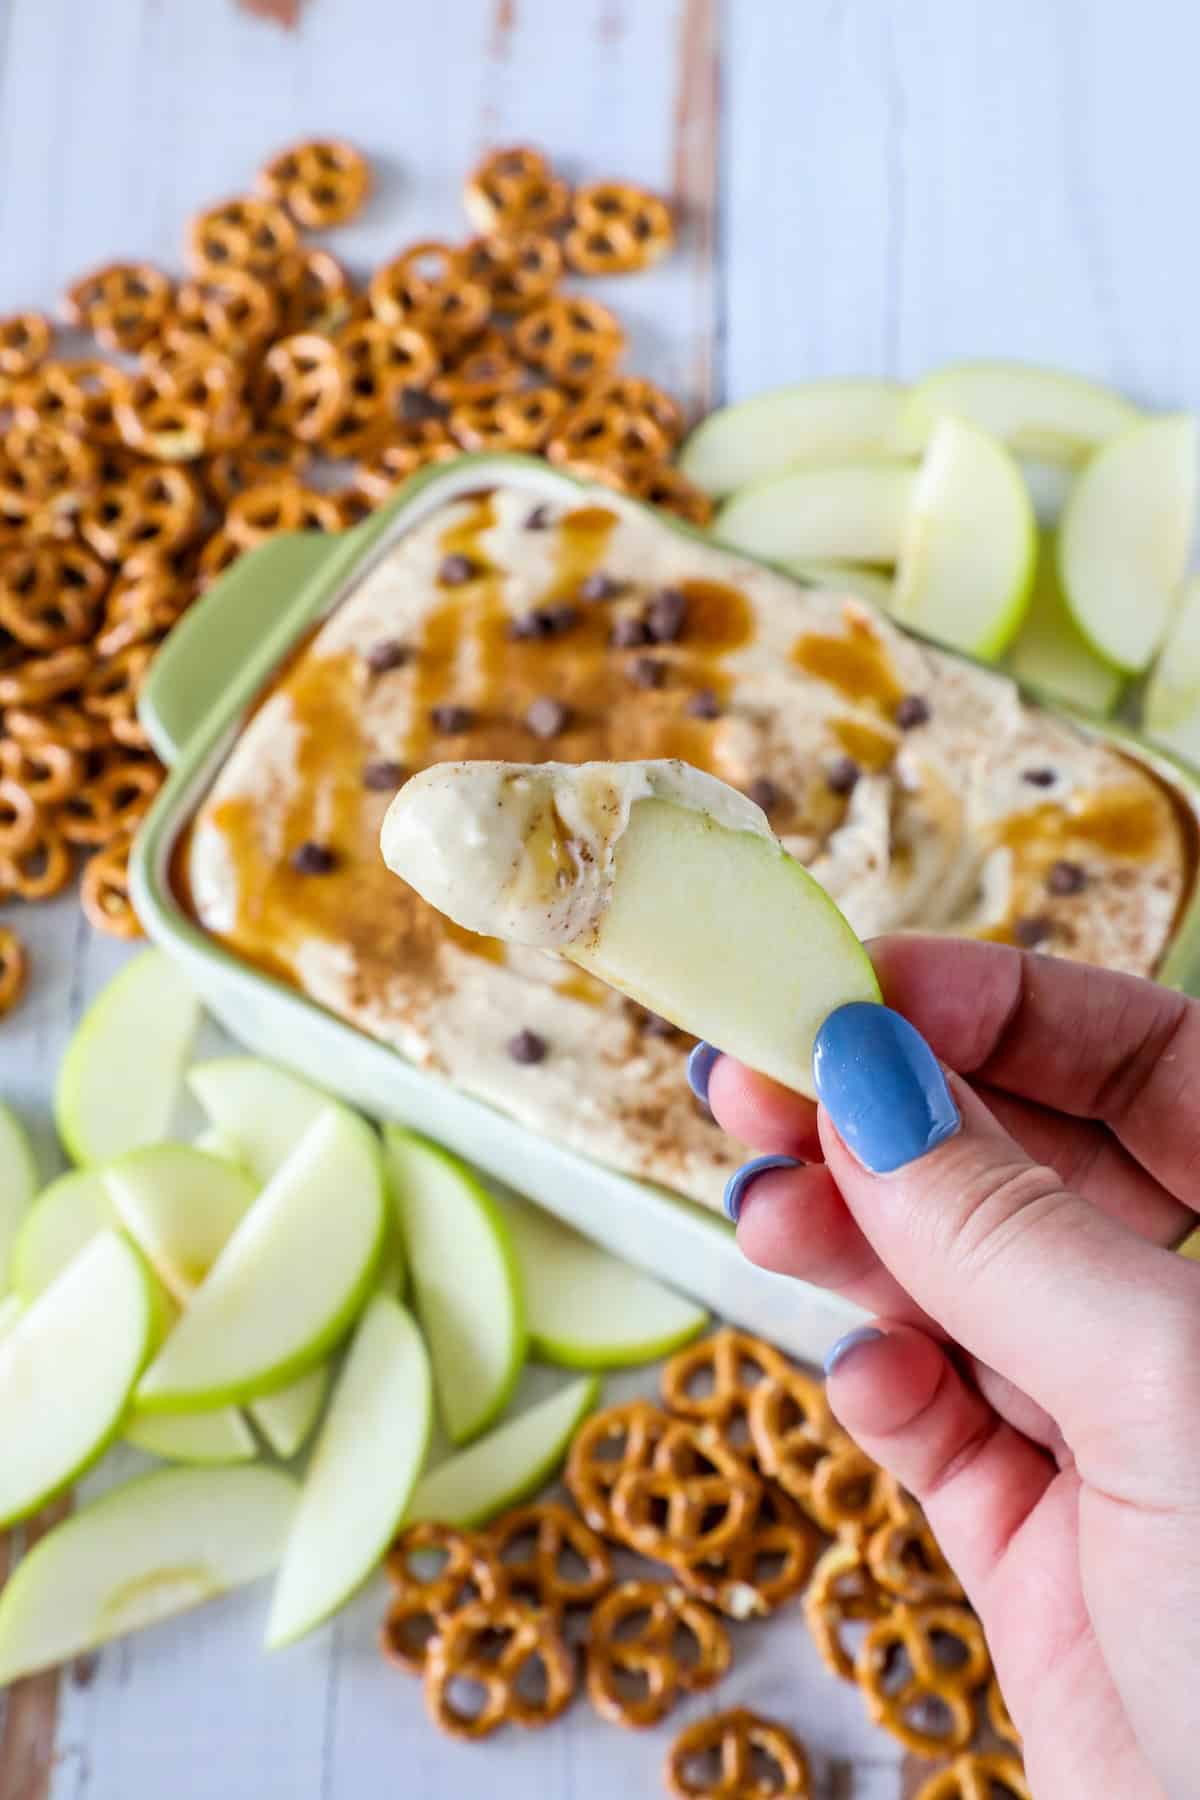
<point x="658" y="879"/>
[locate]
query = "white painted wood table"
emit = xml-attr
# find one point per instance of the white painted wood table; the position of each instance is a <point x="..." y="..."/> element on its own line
<point x="871" y="188"/>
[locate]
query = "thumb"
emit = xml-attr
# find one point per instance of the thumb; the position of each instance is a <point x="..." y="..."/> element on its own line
<point x="1029" y="1277"/>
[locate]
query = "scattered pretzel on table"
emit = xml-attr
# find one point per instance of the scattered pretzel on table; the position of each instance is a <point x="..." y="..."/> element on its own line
<point x="910" y="1687"/>
<point x="14" y="966"/>
<point x="534" y="1547"/>
<point x="768" y="1562"/>
<point x="978" y="1777"/>
<point x="247" y="232"/>
<point x="715" y="1759"/>
<point x="904" y="1558"/>
<point x="466" y="1572"/>
<point x="636" y="1428"/>
<point x="714" y="1378"/>
<point x="695" y="1499"/>
<point x="792" y="1430"/>
<point x="123" y="304"/>
<point x="492" y="1645"/>
<point x="515" y="190"/>
<point x="842" y="1593"/>
<point x="104" y="891"/>
<point x="25" y="340"/>
<point x="617" y="228"/>
<point x="634" y="1641"/>
<point x="321" y="182"/>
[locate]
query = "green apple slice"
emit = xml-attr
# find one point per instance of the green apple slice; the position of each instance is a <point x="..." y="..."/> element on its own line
<point x="362" y="1474"/>
<point x="62" y="1221"/>
<point x="465" y="1280"/>
<point x="215" y="1142"/>
<point x="1052" y="655"/>
<point x="119" y="1080"/>
<point x="511" y="1462"/>
<point x="10" y="1311"/>
<point x="261" y="1109"/>
<point x="67" y="1369"/>
<point x="844" y="578"/>
<point x="813" y="422"/>
<point x="1036" y="412"/>
<point x="1124" y="539"/>
<point x="849" y="512"/>
<point x="147" y="1550"/>
<point x="969" y="544"/>
<point x="18" y="1185"/>
<point x="181" y="1207"/>
<point x="286" y="1418"/>
<point x="211" y="1437"/>
<point x="290" y="1281"/>
<point x="1171" y="707"/>
<point x="587" y="1309"/>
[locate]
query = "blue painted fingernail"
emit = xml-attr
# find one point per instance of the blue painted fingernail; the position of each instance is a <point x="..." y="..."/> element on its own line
<point x="882" y="1086"/>
<point x="739" y="1181"/>
<point x="700" y="1068"/>
<point x="845" y="1346"/>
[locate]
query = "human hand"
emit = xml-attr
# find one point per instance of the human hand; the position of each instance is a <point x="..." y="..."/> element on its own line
<point x="1033" y="1376"/>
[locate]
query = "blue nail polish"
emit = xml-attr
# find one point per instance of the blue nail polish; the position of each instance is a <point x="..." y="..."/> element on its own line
<point x="882" y="1086"/>
<point x="700" y="1068"/>
<point x="739" y="1181"/>
<point x="845" y="1346"/>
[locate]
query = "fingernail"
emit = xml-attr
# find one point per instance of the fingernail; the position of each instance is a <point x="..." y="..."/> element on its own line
<point x="738" y="1184"/>
<point x="700" y="1068"/>
<point x="882" y="1086"/>
<point x="847" y="1345"/>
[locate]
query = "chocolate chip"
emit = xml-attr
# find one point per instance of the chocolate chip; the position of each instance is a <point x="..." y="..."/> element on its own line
<point x="841" y="777"/>
<point x="388" y="653"/>
<point x="383" y="776"/>
<point x="451" y="720"/>
<point x="1067" y="878"/>
<point x="764" y="793"/>
<point x="665" y="615"/>
<point x="628" y="633"/>
<point x="704" y="704"/>
<point x="456" y="569"/>
<point x="527" y="1047"/>
<point x="912" y="711"/>
<point x="547" y="717"/>
<point x="1029" y="933"/>
<point x="599" y="586"/>
<point x="313" y="859"/>
<point x="538" y="519"/>
<point x="1040" y="777"/>
<point x="647" y="672"/>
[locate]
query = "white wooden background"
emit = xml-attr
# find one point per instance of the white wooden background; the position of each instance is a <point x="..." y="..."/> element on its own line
<point x="872" y="186"/>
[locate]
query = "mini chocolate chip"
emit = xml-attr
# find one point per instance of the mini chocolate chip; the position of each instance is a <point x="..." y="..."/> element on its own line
<point x="538" y="519"/>
<point x="665" y="615"/>
<point x="764" y="793"/>
<point x="913" y="710"/>
<point x="704" y="704"/>
<point x="628" y="633"/>
<point x="1040" y="777"/>
<point x="456" y="569"/>
<point x="547" y="717"/>
<point x="1067" y="878"/>
<point x="599" y="586"/>
<point x="527" y="1047"/>
<point x="841" y="777"/>
<point x="1029" y="933"/>
<point x="452" y="719"/>
<point x="383" y="776"/>
<point x="647" y="672"/>
<point x="416" y="406"/>
<point x="388" y="653"/>
<point x="313" y="859"/>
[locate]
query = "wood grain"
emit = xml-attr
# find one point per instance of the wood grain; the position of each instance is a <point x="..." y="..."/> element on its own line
<point x="280" y="12"/>
<point x="27" y="1733"/>
<point x="695" y="161"/>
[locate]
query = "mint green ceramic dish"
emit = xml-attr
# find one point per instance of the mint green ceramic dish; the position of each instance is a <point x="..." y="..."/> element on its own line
<point x="207" y="675"/>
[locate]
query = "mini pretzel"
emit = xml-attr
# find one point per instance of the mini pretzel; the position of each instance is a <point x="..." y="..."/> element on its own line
<point x="999" y="1717"/>
<point x="220" y="552"/>
<point x="315" y="292"/>
<point x="275" y="506"/>
<point x="156" y="504"/>
<point x="636" y="1428"/>
<point x="420" y="1603"/>
<point x="265" y="455"/>
<point x="527" y="418"/>
<point x="617" y="229"/>
<point x="110" y="692"/>
<point x="843" y="1591"/>
<point x="391" y="463"/>
<point x="81" y="395"/>
<point x="715" y="1759"/>
<point x="49" y="594"/>
<point x="634" y="1637"/>
<point x="604" y="432"/>
<point x="513" y="190"/>
<point x="44" y="868"/>
<point x="104" y="891"/>
<point x="381" y="362"/>
<point x="47" y="772"/>
<point x="41" y="678"/>
<point x="56" y="722"/>
<point x="45" y="473"/>
<point x="25" y="340"/>
<point x="904" y="1558"/>
<point x="176" y="414"/>
<point x="978" y="1777"/>
<point x="714" y="1378"/>
<point x="846" y="1496"/>
<point x="574" y="340"/>
<point x="20" y="817"/>
<point x="244" y="233"/>
<point x="140" y="610"/>
<point x="123" y="304"/>
<point x="475" y="424"/>
<point x="534" y="1546"/>
<point x="696" y="1498"/>
<point x="637" y="395"/>
<point x="322" y="182"/>
<point x="302" y="386"/>
<point x="518" y="271"/>
<point x="792" y="1430"/>
<point x="669" y="489"/>
<point x="482" y="372"/>
<point x="909" y="1686"/>
<point x="464" y="1649"/>
<point x="765" y="1565"/>
<point x="14" y="967"/>
<point x="446" y="306"/>
<point x="236" y="312"/>
<point x="110" y="805"/>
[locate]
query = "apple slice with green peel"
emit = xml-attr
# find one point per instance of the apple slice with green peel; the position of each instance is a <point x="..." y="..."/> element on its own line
<point x="215" y="1142"/>
<point x="466" y="1281"/>
<point x="149" y="1549"/>
<point x="362" y="1473"/>
<point x="812" y="422"/>
<point x="845" y="578"/>
<point x="119" y="1080"/>
<point x="18" y="1185"/>
<point x="211" y="1437"/>
<point x="655" y="877"/>
<point x="262" y="1110"/>
<point x="969" y="544"/>
<point x="62" y="1221"/>
<point x="849" y="512"/>
<point x="1124" y="539"/>
<point x="288" y="1284"/>
<point x="1052" y="655"/>
<point x="1171" y="706"/>
<point x="286" y="1418"/>
<point x="587" y="1309"/>
<point x="1036" y="412"/>
<point x="181" y="1207"/>
<point x="67" y="1369"/>
<point x="513" y="1461"/>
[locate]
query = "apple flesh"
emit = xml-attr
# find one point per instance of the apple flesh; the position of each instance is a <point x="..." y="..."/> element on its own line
<point x="511" y="1462"/>
<point x="286" y="1418"/>
<point x="149" y="1549"/>
<point x="844" y="578"/>
<point x="18" y="1185"/>
<point x="211" y="1437"/>
<point x="1051" y="654"/>
<point x="261" y="1111"/>
<point x="813" y="422"/>
<point x="854" y="512"/>
<point x="1171" y="708"/>
<point x="1036" y="412"/>
<point x="181" y="1207"/>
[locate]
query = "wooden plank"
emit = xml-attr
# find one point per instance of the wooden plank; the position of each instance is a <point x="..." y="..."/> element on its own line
<point x="27" y="1732"/>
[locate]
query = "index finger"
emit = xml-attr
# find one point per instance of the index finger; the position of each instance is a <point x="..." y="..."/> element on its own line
<point x="1100" y="1046"/>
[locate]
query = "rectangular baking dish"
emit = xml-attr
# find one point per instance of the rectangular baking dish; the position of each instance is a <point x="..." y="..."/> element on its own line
<point x="203" y="683"/>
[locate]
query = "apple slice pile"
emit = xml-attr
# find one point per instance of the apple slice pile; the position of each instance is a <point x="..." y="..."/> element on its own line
<point x="224" y="1303"/>
<point x="927" y="502"/>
